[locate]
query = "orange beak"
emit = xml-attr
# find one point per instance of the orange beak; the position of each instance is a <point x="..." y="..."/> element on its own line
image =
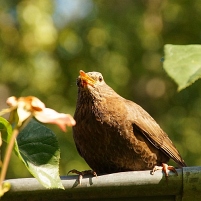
<point x="86" y="79"/>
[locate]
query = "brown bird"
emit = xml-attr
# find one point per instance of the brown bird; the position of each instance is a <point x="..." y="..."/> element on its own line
<point x="113" y="134"/>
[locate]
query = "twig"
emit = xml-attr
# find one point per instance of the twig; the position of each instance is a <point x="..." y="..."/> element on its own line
<point x="8" y="155"/>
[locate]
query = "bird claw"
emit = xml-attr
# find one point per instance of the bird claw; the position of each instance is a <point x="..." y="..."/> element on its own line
<point x="82" y="173"/>
<point x="165" y="168"/>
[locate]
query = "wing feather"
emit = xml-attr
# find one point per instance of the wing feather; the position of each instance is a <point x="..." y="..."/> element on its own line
<point x="153" y="132"/>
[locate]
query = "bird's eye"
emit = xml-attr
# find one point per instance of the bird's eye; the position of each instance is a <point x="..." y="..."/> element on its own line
<point x="100" y="78"/>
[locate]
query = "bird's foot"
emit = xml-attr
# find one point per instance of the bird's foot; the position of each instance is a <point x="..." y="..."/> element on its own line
<point x="165" y="168"/>
<point x="82" y="173"/>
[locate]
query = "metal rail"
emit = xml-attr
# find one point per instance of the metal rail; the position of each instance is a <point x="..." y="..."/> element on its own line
<point x="137" y="185"/>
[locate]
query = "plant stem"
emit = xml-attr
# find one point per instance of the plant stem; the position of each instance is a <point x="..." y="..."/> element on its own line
<point x="8" y="155"/>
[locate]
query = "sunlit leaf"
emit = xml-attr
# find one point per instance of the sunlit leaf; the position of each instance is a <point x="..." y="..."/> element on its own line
<point x="5" y="129"/>
<point x="183" y="64"/>
<point x="38" y="148"/>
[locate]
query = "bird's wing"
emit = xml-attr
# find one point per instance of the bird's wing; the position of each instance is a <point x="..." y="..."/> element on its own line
<point x="152" y="131"/>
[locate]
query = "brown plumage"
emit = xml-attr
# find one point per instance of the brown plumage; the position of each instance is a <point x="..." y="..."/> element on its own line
<point x="113" y="134"/>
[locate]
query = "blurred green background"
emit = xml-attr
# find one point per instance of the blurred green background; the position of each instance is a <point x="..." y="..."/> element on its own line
<point x="44" y="44"/>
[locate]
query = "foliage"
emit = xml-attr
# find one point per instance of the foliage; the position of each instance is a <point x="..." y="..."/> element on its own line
<point x="183" y="63"/>
<point x="36" y="145"/>
<point x="5" y="129"/>
<point x="5" y="134"/>
<point x="38" y="148"/>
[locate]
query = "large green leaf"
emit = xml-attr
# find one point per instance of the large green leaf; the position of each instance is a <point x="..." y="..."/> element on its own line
<point x="38" y="148"/>
<point x="183" y="63"/>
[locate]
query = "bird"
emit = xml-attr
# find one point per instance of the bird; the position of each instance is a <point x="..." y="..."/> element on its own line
<point x="114" y="134"/>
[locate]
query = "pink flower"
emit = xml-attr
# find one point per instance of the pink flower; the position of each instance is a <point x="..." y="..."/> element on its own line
<point x="31" y="106"/>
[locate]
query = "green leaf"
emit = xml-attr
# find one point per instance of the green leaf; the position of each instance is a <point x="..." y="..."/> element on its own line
<point x="5" y="129"/>
<point x="183" y="63"/>
<point x="38" y="148"/>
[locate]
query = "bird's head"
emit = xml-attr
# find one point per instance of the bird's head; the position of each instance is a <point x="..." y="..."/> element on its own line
<point x="90" y="79"/>
<point x="92" y="84"/>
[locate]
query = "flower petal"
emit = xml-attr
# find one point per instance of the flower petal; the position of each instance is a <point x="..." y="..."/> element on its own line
<point x="12" y="101"/>
<point x="23" y="114"/>
<point x="37" y="104"/>
<point x="48" y="115"/>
